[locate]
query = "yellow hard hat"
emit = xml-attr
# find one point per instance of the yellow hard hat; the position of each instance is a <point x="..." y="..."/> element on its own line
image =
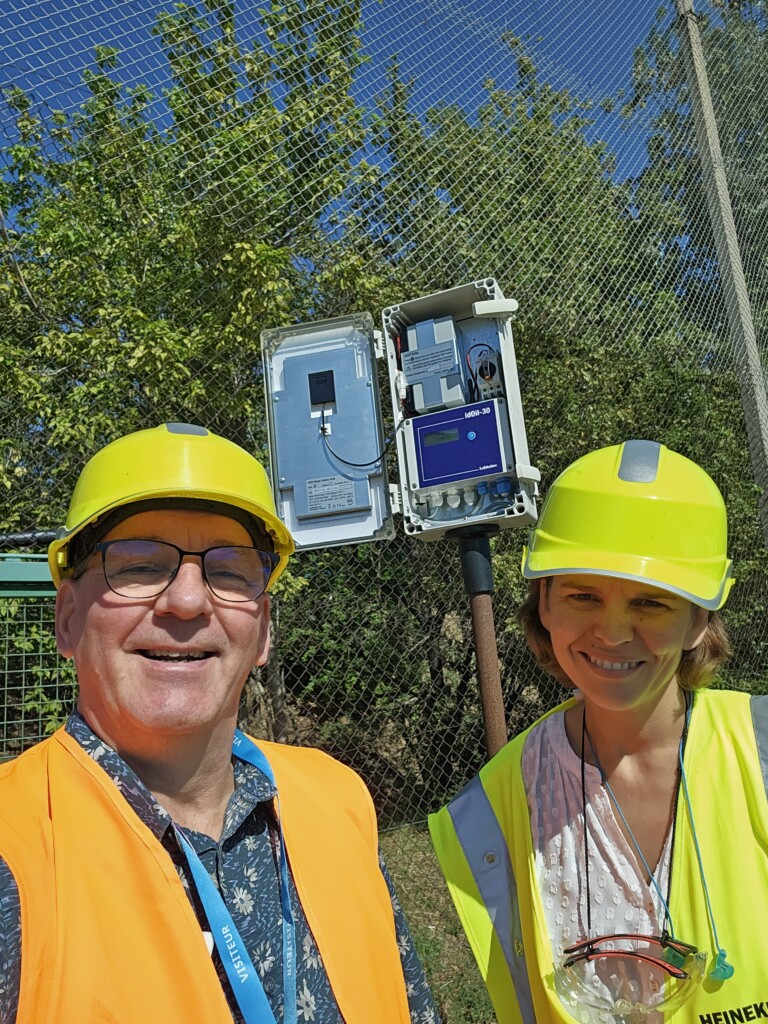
<point x="176" y="462"/>
<point x="640" y="512"/>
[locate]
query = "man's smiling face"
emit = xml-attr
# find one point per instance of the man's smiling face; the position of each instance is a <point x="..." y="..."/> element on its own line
<point x="168" y="665"/>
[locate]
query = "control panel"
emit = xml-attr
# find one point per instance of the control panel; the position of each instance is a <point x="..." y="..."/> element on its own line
<point x="462" y="449"/>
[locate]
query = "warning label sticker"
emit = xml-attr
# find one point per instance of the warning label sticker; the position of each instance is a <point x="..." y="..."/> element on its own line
<point x="328" y="494"/>
<point x="429" y="362"/>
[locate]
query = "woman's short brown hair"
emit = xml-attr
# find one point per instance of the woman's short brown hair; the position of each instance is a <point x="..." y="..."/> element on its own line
<point x="697" y="666"/>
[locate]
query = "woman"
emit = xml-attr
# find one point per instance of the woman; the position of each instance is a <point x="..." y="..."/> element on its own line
<point x="604" y="861"/>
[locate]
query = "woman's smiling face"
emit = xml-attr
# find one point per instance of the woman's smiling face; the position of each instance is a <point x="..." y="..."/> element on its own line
<point x="619" y="641"/>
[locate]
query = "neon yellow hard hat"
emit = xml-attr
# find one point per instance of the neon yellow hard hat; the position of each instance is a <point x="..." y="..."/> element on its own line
<point x="174" y="462"/>
<point x="641" y="512"/>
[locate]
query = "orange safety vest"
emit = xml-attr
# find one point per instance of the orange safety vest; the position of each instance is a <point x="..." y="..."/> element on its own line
<point x="108" y="933"/>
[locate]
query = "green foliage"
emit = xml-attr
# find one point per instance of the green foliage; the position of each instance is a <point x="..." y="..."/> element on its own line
<point x="671" y="188"/>
<point x="38" y="687"/>
<point x="148" y="242"/>
<point x="376" y="645"/>
<point x="150" y="239"/>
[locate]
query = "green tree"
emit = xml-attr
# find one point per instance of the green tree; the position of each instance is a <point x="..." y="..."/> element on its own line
<point x="608" y="346"/>
<point x="147" y="241"/>
<point x="149" y="250"/>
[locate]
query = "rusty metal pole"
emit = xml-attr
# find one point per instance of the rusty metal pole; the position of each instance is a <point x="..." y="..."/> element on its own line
<point x="475" y="554"/>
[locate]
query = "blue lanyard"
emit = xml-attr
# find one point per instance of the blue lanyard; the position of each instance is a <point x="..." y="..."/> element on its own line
<point x="243" y="976"/>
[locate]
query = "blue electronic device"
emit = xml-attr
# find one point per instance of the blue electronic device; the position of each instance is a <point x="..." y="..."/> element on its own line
<point x="459" y="445"/>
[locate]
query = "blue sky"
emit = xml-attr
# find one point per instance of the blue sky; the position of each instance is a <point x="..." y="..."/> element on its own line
<point x="450" y="47"/>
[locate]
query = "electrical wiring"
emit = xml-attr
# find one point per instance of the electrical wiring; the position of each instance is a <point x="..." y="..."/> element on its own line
<point x="482" y="505"/>
<point x="346" y="462"/>
<point x="489" y="354"/>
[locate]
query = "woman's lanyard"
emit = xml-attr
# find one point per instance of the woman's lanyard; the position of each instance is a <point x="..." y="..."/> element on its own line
<point x="243" y="976"/>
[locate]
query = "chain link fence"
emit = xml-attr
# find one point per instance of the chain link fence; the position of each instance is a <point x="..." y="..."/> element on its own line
<point x="178" y="177"/>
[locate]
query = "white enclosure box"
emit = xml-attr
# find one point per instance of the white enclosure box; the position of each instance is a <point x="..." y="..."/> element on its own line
<point x="461" y="445"/>
<point x="325" y="436"/>
<point x="462" y="448"/>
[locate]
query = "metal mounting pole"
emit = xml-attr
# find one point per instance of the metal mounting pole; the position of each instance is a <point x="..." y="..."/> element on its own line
<point x="747" y="357"/>
<point x="475" y="554"/>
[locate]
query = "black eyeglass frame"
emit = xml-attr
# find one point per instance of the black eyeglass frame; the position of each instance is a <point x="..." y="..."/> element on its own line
<point x="103" y="546"/>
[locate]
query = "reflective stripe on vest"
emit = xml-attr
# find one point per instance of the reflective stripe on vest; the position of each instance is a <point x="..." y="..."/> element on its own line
<point x="759" y="709"/>
<point x="728" y="780"/>
<point x="482" y="841"/>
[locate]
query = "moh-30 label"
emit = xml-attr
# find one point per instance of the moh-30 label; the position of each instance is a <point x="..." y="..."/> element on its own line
<point x="328" y="494"/>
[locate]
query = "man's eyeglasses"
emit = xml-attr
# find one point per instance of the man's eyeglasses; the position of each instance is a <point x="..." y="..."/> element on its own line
<point x="629" y="975"/>
<point x="145" y="568"/>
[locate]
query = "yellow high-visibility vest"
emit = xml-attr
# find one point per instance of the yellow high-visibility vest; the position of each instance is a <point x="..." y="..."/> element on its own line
<point x="484" y="846"/>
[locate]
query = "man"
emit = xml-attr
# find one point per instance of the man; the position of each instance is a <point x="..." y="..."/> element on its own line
<point x="155" y="864"/>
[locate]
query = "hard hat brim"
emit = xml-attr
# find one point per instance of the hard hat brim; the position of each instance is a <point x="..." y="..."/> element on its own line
<point x="681" y="579"/>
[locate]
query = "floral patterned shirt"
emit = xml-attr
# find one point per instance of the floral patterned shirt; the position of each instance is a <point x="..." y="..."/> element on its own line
<point x="244" y="865"/>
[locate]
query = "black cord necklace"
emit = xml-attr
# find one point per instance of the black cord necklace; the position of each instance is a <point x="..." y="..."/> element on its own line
<point x="678" y="779"/>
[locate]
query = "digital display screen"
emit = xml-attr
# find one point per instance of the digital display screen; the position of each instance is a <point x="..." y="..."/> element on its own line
<point x="441" y="437"/>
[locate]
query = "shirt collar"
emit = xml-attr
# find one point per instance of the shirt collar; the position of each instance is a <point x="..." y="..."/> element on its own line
<point x="251" y="785"/>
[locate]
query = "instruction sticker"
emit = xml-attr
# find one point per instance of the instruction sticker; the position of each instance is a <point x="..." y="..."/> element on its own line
<point x="429" y="362"/>
<point x="329" y="494"/>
